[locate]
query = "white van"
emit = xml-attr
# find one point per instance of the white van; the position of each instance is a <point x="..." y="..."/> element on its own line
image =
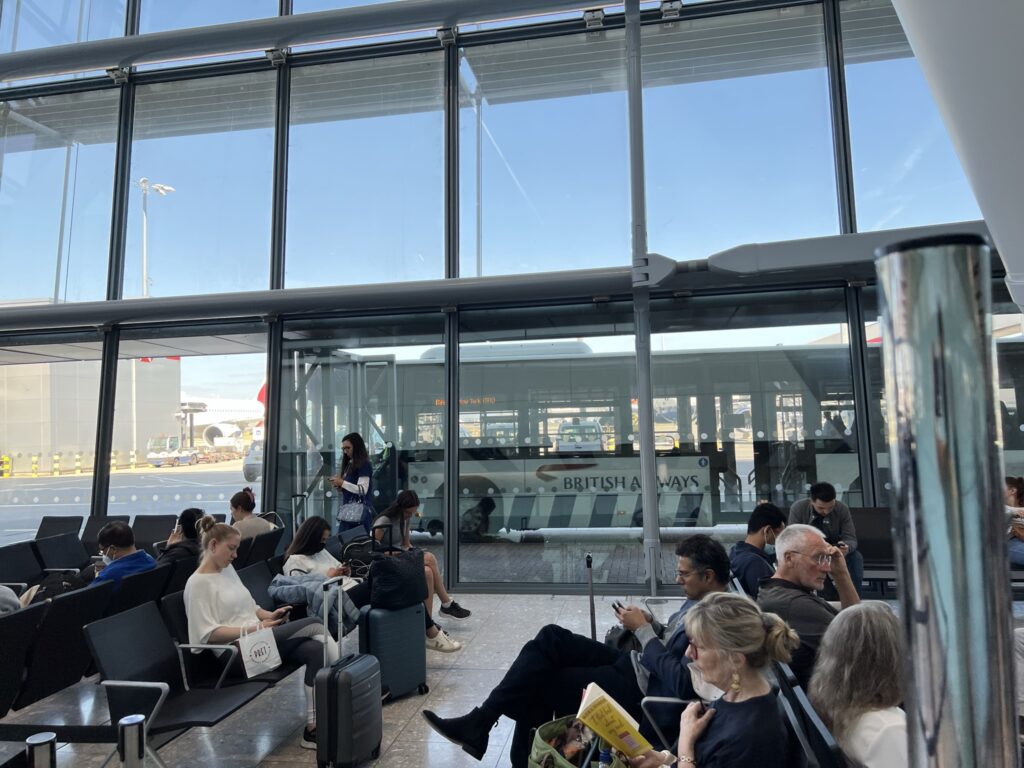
<point x="580" y="435"/>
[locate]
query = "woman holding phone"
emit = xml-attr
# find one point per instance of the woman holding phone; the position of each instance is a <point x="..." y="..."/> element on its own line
<point x="353" y="481"/>
<point x="183" y="543"/>
<point x="219" y="608"/>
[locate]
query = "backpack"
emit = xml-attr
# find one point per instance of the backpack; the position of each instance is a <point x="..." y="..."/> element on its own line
<point x="54" y="584"/>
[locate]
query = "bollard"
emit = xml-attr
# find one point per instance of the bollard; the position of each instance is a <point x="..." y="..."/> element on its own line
<point x="35" y="465"/>
<point x="41" y="750"/>
<point x="131" y="458"/>
<point x="949" y="526"/>
<point x="78" y="463"/>
<point x="55" y="465"/>
<point x="113" y="460"/>
<point x="131" y="741"/>
<point x="5" y="466"/>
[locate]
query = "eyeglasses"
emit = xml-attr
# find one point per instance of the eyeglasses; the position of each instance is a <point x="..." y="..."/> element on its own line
<point x="819" y="559"/>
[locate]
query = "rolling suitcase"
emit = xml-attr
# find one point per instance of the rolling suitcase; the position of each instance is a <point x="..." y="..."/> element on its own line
<point x="396" y="639"/>
<point x="349" y="722"/>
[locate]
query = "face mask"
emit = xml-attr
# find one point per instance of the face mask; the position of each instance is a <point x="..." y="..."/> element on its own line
<point x="769" y="549"/>
<point x="319" y="548"/>
<point x="107" y="559"/>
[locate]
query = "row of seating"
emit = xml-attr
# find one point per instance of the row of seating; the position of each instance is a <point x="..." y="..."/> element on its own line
<point x="149" y="530"/>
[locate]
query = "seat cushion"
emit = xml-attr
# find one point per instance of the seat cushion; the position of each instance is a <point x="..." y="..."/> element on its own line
<point x="204" y="707"/>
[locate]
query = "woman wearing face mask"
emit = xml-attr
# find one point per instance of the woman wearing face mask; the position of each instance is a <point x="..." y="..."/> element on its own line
<point x="307" y="553"/>
<point x="753" y="558"/>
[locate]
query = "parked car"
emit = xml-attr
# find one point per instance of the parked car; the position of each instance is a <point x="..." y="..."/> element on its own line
<point x="252" y="464"/>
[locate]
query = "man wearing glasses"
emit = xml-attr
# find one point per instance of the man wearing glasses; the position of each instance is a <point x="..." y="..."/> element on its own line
<point x="805" y="560"/>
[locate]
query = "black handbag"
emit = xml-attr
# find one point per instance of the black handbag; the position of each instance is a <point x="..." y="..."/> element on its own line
<point x="622" y="639"/>
<point x="397" y="580"/>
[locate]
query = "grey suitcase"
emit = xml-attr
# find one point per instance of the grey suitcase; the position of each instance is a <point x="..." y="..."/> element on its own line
<point x="348" y="708"/>
<point x="396" y="639"/>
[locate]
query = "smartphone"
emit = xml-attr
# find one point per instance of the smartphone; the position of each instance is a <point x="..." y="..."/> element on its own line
<point x="617" y="606"/>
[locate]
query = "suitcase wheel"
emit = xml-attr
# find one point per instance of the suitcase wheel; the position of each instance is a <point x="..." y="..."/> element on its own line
<point x="423" y="689"/>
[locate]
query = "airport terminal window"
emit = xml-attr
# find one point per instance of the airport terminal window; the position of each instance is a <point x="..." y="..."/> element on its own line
<point x="366" y="172"/>
<point x="201" y="179"/>
<point x="26" y="24"/>
<point x="56" y="190"/>
<point x="544" y="171"/>
<point x="753" y="400"/>
<point x="49" y="398"/>
<point x="163" y="15"/>
<point x="382" y="377"/>
<point x="1008" y="333"/>
<point x="188" y="420"/>
<point x="905" y="177"/>
<point x="737" y="133"/>
<point x="547" y="426"/>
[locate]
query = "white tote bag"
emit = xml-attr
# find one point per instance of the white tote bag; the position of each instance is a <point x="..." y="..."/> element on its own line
<point x="259" y="651"/>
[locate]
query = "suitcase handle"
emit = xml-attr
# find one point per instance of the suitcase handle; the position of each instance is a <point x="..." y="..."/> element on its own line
<point x="327" y="633"/>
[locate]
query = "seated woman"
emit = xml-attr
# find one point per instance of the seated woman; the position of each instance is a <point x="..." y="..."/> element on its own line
<point x="731" y="643"/>
<point x="243" y="504"/>
<point x="183" y="543"/>
<point x="218" y="607"/>
<point x="307" y="552"/>
<point x="392" y="528"/>
<point x="858" y="684"/>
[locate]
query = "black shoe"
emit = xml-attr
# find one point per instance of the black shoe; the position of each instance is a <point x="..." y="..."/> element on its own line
<point x="471" y="732"/>
<point x="455" y="611"/>
<point x="308" y="738"/>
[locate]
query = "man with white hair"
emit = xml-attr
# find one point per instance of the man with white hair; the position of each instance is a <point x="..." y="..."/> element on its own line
<point x="805" y="559"/>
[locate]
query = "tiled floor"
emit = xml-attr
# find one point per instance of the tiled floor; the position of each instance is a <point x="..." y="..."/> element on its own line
<point x="267" y="731"/>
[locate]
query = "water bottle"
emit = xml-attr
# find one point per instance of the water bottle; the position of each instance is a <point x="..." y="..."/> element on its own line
<point x="604" y="758"/>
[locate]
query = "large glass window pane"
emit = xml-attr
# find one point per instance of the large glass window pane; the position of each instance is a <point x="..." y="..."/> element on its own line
<point x="737" y="132"/>
<point x="905" y="177"/>
<point x="188" y="420"/>
<point x="162" y="15"/>
<point x="201" y="184"/>
<point x="56" y="189"/>
<point x="49" y="396"/>
<point x="548" y="464"/>
<point x="753" y="400"/>
<point x="366" y="172"/>
<point x="382" y="377"/>
<point x="26" y="24"/>
<point x="544" y="172"/>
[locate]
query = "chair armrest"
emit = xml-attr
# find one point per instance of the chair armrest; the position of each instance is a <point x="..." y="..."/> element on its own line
<point x="647" y="701"/>
<point x="163" y="688"/>
<point x="17" y="586"/>
<point x="61" y="570"/>
<point x="231" y="649"/>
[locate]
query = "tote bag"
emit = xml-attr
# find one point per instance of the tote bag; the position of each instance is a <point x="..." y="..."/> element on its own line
<point x="258" y="651"/>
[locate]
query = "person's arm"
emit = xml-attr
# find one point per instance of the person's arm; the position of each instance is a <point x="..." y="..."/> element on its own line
<point x="361" y="486"/>
<point x="847" y="533"/>
<point x="794" y="513"/>
<point x="221" y="635"/>
<point x="841" y="578"/>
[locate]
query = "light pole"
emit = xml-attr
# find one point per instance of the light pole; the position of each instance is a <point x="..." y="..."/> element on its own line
<point x="162" y="189"/>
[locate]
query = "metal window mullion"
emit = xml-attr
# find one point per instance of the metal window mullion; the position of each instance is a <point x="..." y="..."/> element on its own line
<point x="840" y="116"/>
<point x="105" y="422"/>
<point x="279" y="200"/>
<point x="641" y="297"/>
<point x="272" y="422"/>
<point x="861" y="393"/>
<point x="122" y="183"/>
<point x="451" y="451"/>
<point x="451" y="154"/>
<point x="132" y="16"/>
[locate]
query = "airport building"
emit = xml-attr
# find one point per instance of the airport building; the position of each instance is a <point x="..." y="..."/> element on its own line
<point x="588" y="278"/>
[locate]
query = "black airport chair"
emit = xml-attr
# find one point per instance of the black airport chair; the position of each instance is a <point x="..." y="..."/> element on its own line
<point x="141" y="671"/>
<point x="181" y="570"/>
<point x="54" y="525"/>
<point x="149" y="529"/>
<point x="59" y="656"/>
<point x="139" y="588"/>
<point x="17" y="634"/>
<point x="823" y="744"/>
<point x="264" y="546"/>
<point x="20" y="564"/>
<point x="62" y="552"/>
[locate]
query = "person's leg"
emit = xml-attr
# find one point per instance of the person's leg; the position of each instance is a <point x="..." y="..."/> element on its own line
<point x="428" y="604"/>
<point x="435" y="578"/>
<point x="1015" y="549"/>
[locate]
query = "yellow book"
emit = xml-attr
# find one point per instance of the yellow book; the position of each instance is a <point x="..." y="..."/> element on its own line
<point x="611" y="722"/>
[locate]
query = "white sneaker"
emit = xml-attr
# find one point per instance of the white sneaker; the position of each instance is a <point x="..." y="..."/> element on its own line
<point x="443" y="643"/>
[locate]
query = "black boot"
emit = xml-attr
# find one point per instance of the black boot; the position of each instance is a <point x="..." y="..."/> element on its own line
<point x="471" y="732"/>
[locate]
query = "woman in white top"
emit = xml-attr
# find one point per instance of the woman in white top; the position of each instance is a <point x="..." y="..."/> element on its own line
<point x="307" y="554"/>
<point x="858" y="684"/>
<point x="219" y="607"/>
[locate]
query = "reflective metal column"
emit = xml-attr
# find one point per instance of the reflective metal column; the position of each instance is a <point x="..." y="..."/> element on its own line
<point x="948" y="520"/>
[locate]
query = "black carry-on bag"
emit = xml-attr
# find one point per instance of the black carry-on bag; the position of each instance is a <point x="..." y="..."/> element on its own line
<point x="349" y="722"/>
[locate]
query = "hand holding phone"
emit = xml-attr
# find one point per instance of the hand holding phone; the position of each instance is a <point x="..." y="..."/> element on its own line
<point x="617" y="606"/>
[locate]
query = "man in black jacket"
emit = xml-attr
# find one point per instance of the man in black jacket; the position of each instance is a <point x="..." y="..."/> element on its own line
<point x="753" y="558"/>
<point x="549" y="674"/>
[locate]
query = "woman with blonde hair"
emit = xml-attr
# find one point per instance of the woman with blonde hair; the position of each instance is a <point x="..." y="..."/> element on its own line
<point x="858" y="685"/>
<point x="219" y="608"/>
<point x="731" y="644"/>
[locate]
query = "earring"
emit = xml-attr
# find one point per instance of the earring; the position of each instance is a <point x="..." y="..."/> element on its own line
<point x="734" y="686"/>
